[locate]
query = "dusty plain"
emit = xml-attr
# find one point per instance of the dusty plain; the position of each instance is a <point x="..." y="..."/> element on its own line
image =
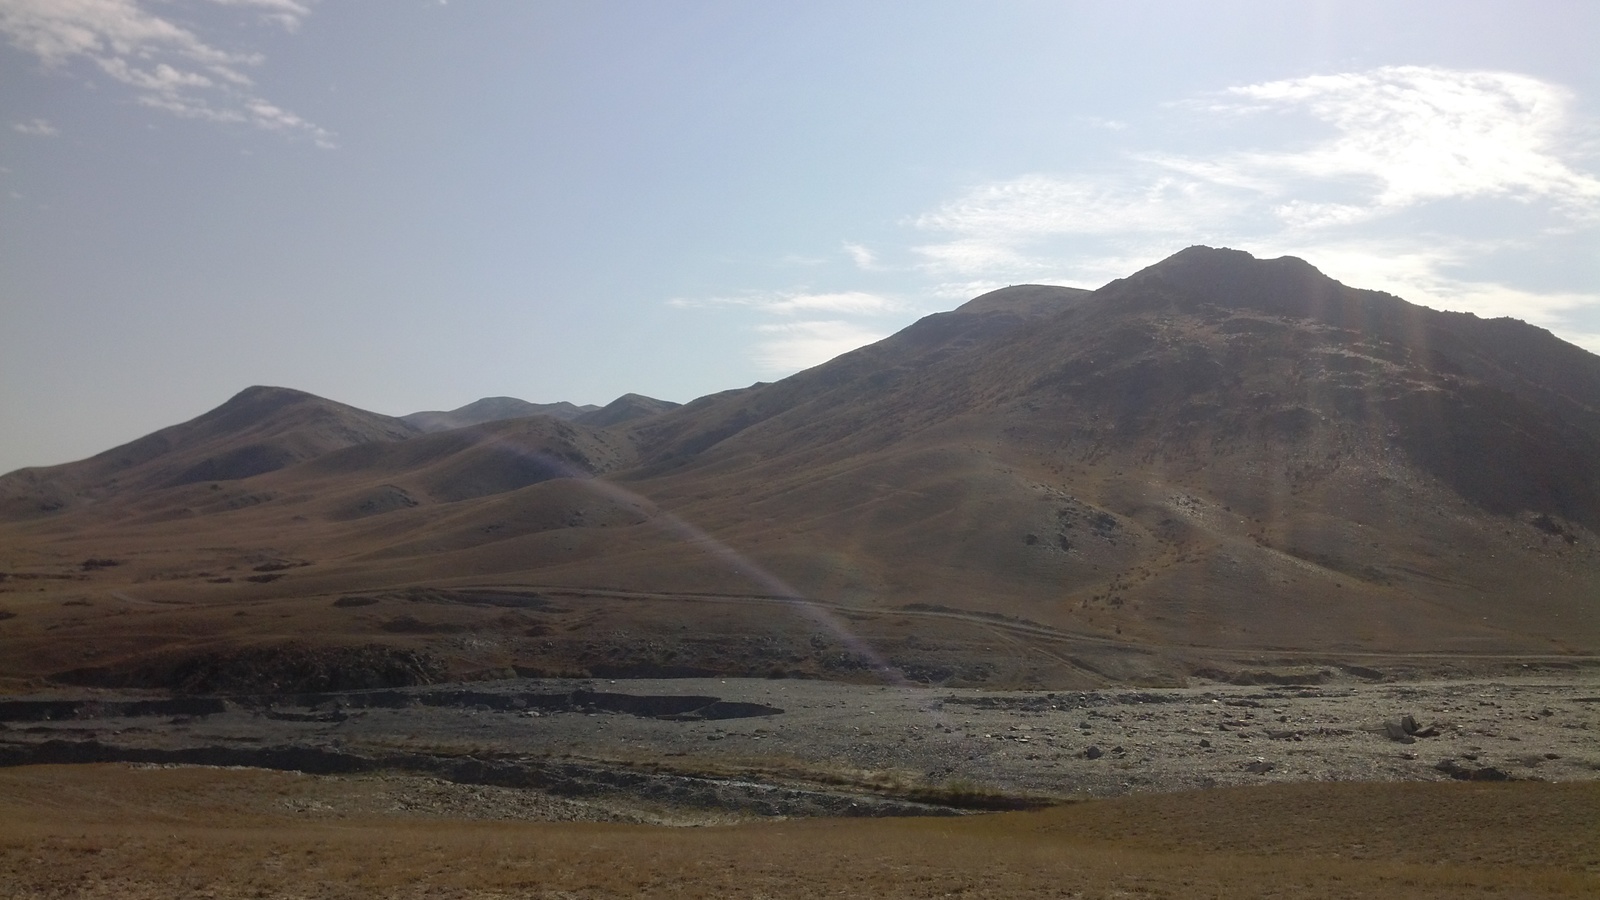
<point x="781" y="788"/>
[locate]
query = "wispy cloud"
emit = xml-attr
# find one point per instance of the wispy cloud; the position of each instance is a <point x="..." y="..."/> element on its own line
<point x="1402" y="179"/>
<point x="1398" y="144"/>
<point x="1107" y="124"/>
<point x="1419" y="270"/>
<point x="790" y="302"/>
<point x="801" y="338"/>
<point x="863" y="257"/>
<point x="1002" y="226"/>
<point x="167" y="66"/>
<point x="789" y="346"/>
<point x="1414" y="134"/>
<point x="287" y="13"/>
<point x="853" y="302"/>
<point x="35" y="127"/>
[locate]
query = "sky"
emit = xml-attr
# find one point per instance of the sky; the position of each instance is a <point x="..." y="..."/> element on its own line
<point x="411" y="204"/>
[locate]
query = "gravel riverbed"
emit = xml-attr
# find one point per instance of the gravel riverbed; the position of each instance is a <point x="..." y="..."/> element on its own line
<point x="652" y="750"/>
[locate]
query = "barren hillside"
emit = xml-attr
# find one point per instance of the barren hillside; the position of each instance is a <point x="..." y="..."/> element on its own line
<point x="1214" y="458"/>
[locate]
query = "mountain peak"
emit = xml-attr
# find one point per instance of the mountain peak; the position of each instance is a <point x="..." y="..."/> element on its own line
<point x="1233" y="279"/>
<point x="260" y="429"/>
<point x="265" y="395"/>
<point x="1200" y="266"/>
<point x="491" y="409"/>
<point x="1027" y="300"/>
<point x="267" y="390"/>
<point x="626" y="408"/>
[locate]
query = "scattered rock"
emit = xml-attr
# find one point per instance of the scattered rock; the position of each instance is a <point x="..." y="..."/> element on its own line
<point x="1463" y="773"/>
<point x="1093" y="752"/>
<point x="1406" y="731"/>
<point x="1397" y="732"/>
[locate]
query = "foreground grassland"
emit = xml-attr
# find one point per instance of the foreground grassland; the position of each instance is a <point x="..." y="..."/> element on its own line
<point x="129" y="832"/>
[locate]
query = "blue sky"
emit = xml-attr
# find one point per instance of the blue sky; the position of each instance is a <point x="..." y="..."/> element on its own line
<point x="409" y="205"/>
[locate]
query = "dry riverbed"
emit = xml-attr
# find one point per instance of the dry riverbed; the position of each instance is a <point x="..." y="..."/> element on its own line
<point x="689" y="751"/>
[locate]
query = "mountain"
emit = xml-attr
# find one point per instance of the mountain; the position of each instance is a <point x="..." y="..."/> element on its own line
<point x="259" y="430"/>
<point x="1215" y="462"/>
<point x="1215" y="449"/>
<point x="491" y="409"/>
<point x="627" y="408"/>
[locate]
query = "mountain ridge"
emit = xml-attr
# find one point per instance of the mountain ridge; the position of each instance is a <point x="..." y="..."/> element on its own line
<point x="258" y="430"/>
<point x="490" y="409"/>
<point x="1216" y="453"/>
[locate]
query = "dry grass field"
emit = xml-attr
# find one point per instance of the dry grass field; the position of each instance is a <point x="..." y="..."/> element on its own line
<point x="123" y="832"/>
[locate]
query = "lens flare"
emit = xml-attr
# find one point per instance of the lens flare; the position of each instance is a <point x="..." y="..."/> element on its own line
<point x="769" y="584"/>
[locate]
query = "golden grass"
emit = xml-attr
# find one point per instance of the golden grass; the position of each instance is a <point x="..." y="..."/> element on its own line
<point x="115" y="831"/>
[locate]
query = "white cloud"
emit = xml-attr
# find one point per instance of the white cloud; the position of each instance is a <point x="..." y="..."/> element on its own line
<point x="787" y="303"/>
<point x="998" y="227"/>
<point x="35" y="127"/>
<point x="1389" y="142"/>
<point x="1402" y="136"/>
<point x="852" y="302"/>
<point x="287" y="13"/>
<point x="1107" y="124"/>
<point x="169" y="67"/>
<point x="791" y="346"/>
<point x="1404" y="179"/>
<point x="1418" y="270"/>
<point x="977" y="254"/>
<point x="798" y="339"/>
<point x="1045" y="205"/>
<point x="1419" y="134"/>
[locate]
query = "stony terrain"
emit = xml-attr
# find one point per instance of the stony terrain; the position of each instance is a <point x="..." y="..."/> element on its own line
<point x="703" y="749"/>
<point x="560" y="789"/>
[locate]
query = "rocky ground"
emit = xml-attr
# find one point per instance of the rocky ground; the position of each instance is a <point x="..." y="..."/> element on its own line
<point x="707" y="750"/>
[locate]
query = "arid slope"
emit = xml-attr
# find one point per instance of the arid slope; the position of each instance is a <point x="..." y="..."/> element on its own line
<point x="1215" y="457"/>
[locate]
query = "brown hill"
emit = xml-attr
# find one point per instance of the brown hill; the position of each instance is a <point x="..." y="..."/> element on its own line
<point x="492" y="409"/>
<point x="259" y="430"/>
<point x="1213" y="462"/>
<point x="627" y="408"/>
<point x="1217" y="449"/>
